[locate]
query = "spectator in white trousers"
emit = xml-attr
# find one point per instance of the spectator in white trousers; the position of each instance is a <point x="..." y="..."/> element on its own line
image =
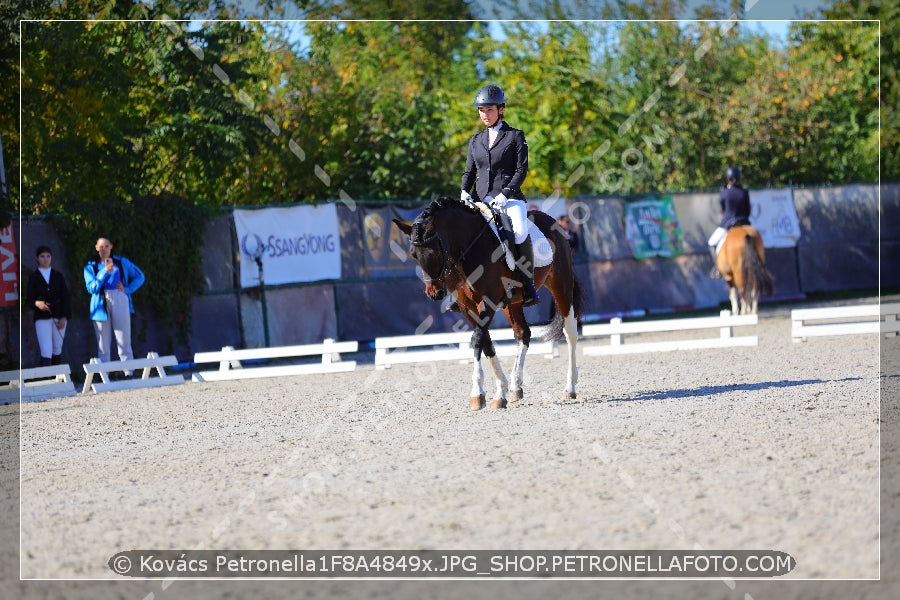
<point x="48" y="297"/>
<point x="110" y="280"/>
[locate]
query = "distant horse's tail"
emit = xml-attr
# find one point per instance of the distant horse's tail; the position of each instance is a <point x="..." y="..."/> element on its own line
<point x="758" y="282"/>
<point x="556" y="327"/>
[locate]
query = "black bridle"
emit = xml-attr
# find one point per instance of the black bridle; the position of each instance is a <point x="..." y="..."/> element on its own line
<point x="448" y="263"/>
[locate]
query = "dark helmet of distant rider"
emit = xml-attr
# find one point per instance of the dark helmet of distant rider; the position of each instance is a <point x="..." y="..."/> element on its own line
<point x="732" y="175"/>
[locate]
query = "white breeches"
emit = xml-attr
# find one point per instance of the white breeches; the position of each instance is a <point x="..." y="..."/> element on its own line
<point x="717" y="238"/>
<point x="517" y="211"/>
<point x="50" y="337"/>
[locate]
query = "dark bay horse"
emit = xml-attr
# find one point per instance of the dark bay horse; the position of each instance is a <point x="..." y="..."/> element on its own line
<point x="742" y="262"/>
<point x="458" y="253"/>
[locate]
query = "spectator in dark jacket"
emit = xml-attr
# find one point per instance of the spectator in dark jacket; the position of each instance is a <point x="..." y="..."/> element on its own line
<point x="48" y="297"/>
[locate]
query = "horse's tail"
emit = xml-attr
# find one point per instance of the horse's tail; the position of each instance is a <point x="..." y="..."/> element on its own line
<point x="556" y="327"/>
<point x="758" y="282"/>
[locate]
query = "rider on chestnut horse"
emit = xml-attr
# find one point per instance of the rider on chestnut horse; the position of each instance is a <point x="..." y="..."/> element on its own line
<point x="735" y="204"/>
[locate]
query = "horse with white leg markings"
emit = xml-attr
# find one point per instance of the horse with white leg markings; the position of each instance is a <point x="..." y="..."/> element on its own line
<point x="459" y="253"/>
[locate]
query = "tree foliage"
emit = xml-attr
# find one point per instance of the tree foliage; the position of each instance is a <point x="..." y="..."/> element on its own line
<point x="374" y="101"/>
<point x="233" y="113"/>
<point x="163" y="235"/>
<point x="884" y="20"/>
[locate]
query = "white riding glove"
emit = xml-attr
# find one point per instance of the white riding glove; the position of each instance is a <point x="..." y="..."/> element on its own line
<point x="499" y="201"/>
<point x="465" y="197"/>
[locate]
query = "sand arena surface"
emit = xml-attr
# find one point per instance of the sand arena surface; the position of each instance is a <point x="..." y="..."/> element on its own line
<point x="767" y="447"/>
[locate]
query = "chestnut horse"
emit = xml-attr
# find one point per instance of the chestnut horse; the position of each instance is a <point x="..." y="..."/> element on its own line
<point x="742" y="262"/>
<point x="459" y="253"/>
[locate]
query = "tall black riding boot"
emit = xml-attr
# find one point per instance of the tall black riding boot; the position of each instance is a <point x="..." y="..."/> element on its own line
<point x="525" y="264"/>
<point x="714" y="272"/>
<point x="56" y="359"/>
<point x="45" y="362"/>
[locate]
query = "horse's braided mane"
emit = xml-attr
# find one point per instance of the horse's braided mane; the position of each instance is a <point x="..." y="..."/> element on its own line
<point x="418" y="226"/>
<point x="446" y="202"/>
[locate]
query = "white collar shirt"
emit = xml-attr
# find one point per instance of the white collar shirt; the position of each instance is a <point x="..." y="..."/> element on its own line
<point x="492" y="133"/>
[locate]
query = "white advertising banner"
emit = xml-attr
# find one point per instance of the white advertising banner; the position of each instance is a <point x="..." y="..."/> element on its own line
<point x="295" y="244"/>
<point x="774" y="216"/>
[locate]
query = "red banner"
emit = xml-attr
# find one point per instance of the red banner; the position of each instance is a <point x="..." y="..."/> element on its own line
<point x="9" y="268"/>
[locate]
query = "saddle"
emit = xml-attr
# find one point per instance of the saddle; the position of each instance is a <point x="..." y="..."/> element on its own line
<point x="502" y="225"/>
<point x="502" y="228"/>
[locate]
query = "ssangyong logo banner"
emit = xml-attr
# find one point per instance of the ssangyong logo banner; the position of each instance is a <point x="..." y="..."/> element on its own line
<point x="294" y="244"/>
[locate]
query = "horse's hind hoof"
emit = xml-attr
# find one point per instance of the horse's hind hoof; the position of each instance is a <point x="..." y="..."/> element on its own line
<point x="498" y="403"/>
<point x="518" y="395"/>
<point x="570" y="396"/>
<point x="476" y="402"/>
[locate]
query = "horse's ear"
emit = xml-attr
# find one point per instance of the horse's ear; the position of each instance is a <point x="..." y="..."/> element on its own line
<point x="404" y="226"/>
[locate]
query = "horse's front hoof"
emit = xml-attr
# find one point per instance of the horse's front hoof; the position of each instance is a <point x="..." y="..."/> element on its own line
<point x="517" y="395"/>
<point x="498" y="403"/>
<point x="569" y="396"/>
<point x="476" y="402"/>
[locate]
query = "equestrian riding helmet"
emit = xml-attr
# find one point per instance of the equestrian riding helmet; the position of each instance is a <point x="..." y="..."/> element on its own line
<point x="490" y="95"/>
<point x="733" y="174"/>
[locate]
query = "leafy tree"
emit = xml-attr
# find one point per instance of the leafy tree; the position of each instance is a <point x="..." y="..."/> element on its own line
<point x="77" y="148"/>
<point x="831" y="103"/>
<point x="731" y="79"/>
<point x="201" y="110"/>
<point x="371" y="105"/>
<point x="807" y="113"/>
<point x="118" y="112"/>
<point x="862" y="51"/>
<point x="231" y="113"/>
<point x="558" y="95"/>
<point x="651" y="114"/>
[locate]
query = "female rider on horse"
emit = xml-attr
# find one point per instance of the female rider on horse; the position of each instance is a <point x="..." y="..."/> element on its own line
<point x="735" y="204"/>
<point x="496" y="165"/>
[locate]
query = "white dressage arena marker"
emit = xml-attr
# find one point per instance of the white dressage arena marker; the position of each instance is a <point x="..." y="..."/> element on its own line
<point x="153" y="362"/>
<point x="230" y="366"/>
<point x="845" y="320"/>
<point x="39" y="383"/>
<point x="616" y="329"/>
<point x="395" y="350"/>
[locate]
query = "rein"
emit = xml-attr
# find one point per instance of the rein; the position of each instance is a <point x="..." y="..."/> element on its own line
<point x="448" y="265"/>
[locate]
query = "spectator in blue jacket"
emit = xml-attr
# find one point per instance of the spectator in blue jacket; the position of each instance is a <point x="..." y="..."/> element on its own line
<point x="110" y="280"/>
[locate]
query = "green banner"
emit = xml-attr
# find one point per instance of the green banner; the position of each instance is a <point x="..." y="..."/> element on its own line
<point x="652" y="229"/>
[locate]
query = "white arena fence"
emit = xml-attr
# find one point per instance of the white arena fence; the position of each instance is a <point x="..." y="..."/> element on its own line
<point x="616" y="330"/>
<point x="844" y="320"/>
<point x="38" y="383"/>
<point x="449" y="346"/>
<point x="153" y="362"/>
<point x="42" y="383"/>
<point x="230" y="366"/>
